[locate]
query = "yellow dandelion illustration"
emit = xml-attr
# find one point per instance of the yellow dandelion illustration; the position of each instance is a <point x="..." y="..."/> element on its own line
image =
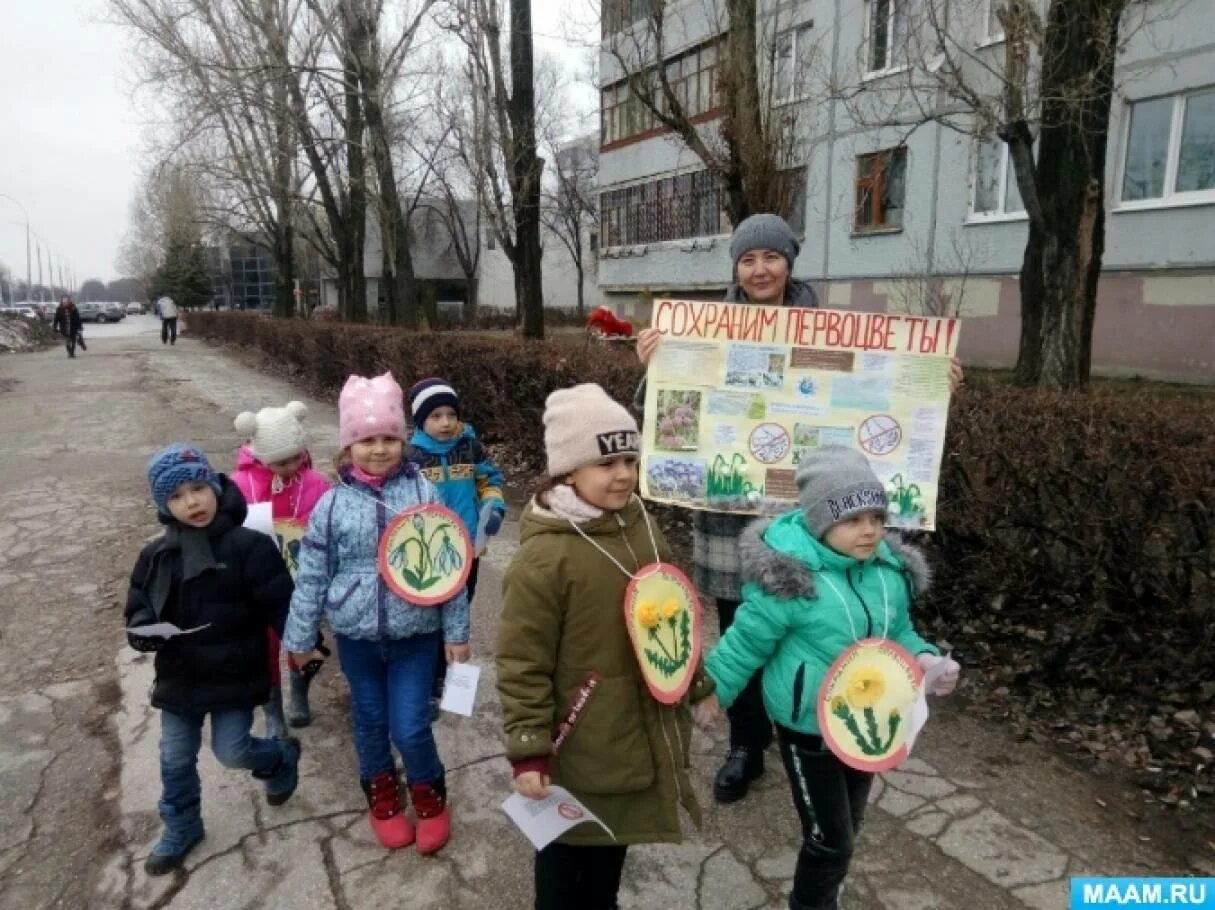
<point x="671" y="609"/>
<point x="865" y="688"/>
<point x="647" y="614"/>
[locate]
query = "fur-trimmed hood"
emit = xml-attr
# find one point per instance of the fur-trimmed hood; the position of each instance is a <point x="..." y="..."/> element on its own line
<point x="781" y="556"/>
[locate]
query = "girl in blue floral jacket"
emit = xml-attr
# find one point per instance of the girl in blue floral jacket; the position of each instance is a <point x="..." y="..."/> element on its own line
<point x="387" y="646"/>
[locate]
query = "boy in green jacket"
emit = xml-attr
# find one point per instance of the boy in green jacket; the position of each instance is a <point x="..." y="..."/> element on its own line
<point x="817" y="580"/>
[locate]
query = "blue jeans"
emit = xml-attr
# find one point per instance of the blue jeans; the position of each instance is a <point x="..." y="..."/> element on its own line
<point x="233" y="745"/>
<point x="390" y="684"/>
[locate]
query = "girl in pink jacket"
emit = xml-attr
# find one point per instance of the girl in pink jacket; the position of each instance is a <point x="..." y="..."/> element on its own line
<point x="274" y="469"/>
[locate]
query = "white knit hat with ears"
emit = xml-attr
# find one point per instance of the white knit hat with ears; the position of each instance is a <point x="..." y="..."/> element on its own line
<point x="274" y="433"/>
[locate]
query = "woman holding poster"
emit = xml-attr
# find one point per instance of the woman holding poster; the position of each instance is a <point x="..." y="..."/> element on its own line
<point x="763" y="249"/>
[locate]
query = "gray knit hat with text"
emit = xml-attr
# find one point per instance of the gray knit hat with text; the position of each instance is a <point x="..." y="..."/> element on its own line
<point x="763" y="232"/>
<point x="834" y="483"/>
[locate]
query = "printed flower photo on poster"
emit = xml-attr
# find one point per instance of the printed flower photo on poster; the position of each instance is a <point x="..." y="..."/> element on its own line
<point x="677" y="428"/>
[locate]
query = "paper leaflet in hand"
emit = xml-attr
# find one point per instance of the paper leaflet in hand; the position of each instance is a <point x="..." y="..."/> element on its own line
<point x="460" y="688"/>
<point x="163" y="630"/>
<point x="259" y="516"/>
<point x="545" y="820"/>
<point x="481" y="537"/>
<point x="919" y="710"/>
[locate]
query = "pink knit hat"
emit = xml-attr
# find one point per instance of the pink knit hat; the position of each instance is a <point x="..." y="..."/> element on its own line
<point x="370" y="407"/>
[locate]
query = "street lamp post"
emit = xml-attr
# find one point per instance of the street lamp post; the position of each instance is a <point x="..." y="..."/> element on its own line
<point x="29" y="286"/>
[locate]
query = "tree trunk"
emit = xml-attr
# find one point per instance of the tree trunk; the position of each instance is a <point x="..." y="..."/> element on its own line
<point x="525" y="172"/>
<point x="745" y="175"/>
<point x="356" y="167"/>
<point x="284" y="156"/>
<point x="1065" y="247"/>
<point x="578" y="271"/>
<point x="398" y="282"/>
<point x="284" y="264"/>
<point x="470" y="300"/>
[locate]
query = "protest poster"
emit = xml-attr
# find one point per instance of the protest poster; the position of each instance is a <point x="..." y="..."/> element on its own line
<point x="739" y="395"/>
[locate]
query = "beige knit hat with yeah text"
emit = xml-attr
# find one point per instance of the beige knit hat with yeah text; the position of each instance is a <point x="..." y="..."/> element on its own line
<point x="583" y="425"/>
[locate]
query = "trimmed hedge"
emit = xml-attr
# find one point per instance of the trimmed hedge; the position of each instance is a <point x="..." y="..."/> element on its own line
<point x="1075" y="556"/>
<point x="503" y="380"/>
<point x="1079" y="527"/>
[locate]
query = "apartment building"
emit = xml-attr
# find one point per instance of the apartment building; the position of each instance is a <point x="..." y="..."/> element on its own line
<point x="889" y="214"/>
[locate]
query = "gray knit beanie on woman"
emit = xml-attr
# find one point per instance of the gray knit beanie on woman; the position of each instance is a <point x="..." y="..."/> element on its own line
<point x="763" y="232"/>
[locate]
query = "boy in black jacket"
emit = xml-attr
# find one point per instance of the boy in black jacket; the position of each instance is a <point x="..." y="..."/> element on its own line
<point x="207" y="571"/>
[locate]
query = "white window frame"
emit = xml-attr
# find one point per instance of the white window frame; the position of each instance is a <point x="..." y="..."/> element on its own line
<point x="891" y="66"/>
<point x="797" y="87"/>
<point x="974" y="216"/>
<point x="1169" y="198"/>
<point x="993" y="32"/>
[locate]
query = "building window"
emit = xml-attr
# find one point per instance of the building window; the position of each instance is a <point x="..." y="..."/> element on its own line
<point x="674" y="208"/>
<point x="881" y="182"/>
<point x="996" y="193"/>
<point x="885" y="35"/>
<point x="1170" y="149"/>
<point x="791" y="58"/>
<point x="993" y="31"/>
<point x="693" y="79"/>
<point x="620" y="14"/>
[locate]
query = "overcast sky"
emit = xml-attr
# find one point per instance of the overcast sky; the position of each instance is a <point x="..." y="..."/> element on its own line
<point x="70" y="139"/>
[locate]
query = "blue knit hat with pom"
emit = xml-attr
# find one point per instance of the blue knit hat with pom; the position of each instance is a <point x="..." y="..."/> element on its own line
<point x="174" y="465"/>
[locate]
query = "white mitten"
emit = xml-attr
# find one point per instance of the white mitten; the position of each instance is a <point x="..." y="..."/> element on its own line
<point x="944" y="678"/>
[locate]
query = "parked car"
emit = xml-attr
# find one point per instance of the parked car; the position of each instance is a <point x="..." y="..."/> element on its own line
<point x="98" y="311"/>
<point x="92" y="311"/>
<point x="134" y="308"/>
<point x="20" y="309"/>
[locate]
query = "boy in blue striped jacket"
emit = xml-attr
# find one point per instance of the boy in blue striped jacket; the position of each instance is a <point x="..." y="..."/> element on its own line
<point x="448" y="454"/>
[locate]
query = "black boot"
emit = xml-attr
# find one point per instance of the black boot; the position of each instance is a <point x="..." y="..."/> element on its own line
<point x="743" y="765"/>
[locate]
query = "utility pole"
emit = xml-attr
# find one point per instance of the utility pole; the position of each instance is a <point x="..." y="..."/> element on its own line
<point x="29" y="287"/>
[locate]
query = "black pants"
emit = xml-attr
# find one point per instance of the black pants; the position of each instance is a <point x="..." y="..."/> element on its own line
<point x="470" y="587"/>
<point x="830" y="799"/>
<point x="72" y="341"/>
<point x="578" y="878"/>
<point x="168" y="330"/>
<point x="749" y="723"/>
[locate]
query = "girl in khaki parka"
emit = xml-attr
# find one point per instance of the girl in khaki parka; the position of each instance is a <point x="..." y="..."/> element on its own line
<point x="562" y="622"/>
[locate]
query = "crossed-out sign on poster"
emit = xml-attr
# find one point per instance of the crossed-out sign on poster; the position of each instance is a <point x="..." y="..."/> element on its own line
<point x="740" y="395"/>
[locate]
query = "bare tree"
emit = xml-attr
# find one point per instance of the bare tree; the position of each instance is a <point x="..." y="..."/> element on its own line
<point x="747" y="137"/>
<point x="499" y="129"/>
<point x="919" y="284"/>
<point x="570" y="212"/>
<point x="1047" y="94"/>
<point x="220" y="68"/>
<point x="165" y="210"/>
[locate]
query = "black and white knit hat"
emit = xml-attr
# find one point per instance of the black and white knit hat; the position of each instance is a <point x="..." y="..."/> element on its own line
<point x="428" y="394"/>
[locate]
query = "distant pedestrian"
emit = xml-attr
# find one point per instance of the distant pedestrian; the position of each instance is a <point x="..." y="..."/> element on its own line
<point x="168" y="319"/>
<point x="67" y="323"/>
<point x="228" y="584"/>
